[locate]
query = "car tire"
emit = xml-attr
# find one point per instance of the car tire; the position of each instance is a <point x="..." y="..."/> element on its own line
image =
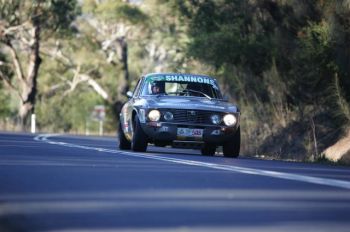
<point x="231" y="148"/>
<point x="139" y="139"/>
<point x="124" y="144"/>
<point x="208" y="149"/>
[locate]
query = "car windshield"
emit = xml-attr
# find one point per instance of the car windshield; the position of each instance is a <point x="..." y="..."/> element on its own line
<point x="181" y="85"/>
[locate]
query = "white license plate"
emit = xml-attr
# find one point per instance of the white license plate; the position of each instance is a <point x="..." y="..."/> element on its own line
<point x="189" y="132"/>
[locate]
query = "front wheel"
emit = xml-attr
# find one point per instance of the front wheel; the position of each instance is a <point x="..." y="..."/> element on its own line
<point x="124" y="144"/>
<point x="139" y="139"/>
<point x="231" y="148"/>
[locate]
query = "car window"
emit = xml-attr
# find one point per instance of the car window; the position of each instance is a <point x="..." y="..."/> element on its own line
<point x="180" y="87"/>
<point x="137" y="88"/>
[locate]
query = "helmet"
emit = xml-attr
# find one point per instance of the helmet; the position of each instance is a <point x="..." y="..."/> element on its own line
<point x="155" y="87"/>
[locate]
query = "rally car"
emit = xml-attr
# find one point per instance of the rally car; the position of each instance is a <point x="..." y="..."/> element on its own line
<point x="172" y="109"/>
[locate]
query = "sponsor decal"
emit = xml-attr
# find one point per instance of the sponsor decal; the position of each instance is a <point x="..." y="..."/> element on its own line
<point x="183" y="78"/>
<point x="152" y="79"/>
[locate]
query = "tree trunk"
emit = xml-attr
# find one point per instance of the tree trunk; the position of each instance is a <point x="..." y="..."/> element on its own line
<point x="29" y="84"/>
<point x="124" y="84"/>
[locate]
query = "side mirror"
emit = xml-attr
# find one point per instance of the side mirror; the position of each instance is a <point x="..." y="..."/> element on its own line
<point x="129" y="94"/>
<point x="225" y="98"/>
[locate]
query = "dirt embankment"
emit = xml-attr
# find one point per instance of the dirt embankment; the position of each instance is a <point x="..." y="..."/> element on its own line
<point x="339" y="151"/>
<point x="309" y="141"/>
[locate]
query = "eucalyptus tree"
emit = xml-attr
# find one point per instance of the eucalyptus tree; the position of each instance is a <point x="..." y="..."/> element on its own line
<point x="164" y="48"/>
<point x="24" y="26"/>
<point x="112" y="23"/>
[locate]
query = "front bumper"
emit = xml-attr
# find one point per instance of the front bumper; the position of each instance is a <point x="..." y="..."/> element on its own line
<point x="163" y="131"/>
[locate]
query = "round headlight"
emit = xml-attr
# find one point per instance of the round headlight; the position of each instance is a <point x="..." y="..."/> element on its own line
<point x="168" y="116"/>
<point x="154" y="115"/>
<point x="230" y="120"/>
<point x="215" y="119"/>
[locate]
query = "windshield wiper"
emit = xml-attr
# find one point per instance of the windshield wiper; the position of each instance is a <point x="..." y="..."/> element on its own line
<point x="195" y="91"/>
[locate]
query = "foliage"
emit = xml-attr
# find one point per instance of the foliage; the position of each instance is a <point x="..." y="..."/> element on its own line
<point x="68" y="114"/>
<point x="115" y="11"/>
<point x="226" y="33"/>
<point x="23" y="26"/>
<point x="164" y="47"/>
<point x="52" y="15"/>
<point x="278" y="59"/>
<point x="5" y="109"/>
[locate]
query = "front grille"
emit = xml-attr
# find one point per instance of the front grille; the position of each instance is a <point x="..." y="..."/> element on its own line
<point x="190" y="116"/>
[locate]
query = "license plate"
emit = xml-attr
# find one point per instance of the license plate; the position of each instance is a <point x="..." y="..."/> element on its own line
<point x="189" y="132"/>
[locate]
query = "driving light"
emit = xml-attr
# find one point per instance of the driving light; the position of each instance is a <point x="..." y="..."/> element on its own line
<point x="154" y="115"/>
<point x="168" y="116"/>
<point x="230" y="120"/>
<point x="215" y="119"/>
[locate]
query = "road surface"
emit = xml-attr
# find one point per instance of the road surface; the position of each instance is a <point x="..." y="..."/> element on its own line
<point x="70" y="183"/>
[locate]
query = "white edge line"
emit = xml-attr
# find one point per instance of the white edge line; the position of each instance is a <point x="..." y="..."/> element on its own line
<point x="251" y="171"/>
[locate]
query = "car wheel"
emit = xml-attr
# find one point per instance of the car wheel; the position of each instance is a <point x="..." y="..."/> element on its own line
<point x="231" y="148"/>
<point x="208" y="149"/>
<point x="124" y="144"/>
<point x="139" y="139"/>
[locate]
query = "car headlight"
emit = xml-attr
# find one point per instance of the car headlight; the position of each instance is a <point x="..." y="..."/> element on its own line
<point x="168" y="116"/>
<point x="154" y="115"/>
<point x="230" y="120"/>
<point x="215" y="119"/>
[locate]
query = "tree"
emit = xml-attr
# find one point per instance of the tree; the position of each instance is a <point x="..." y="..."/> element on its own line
<point x="164" y="47"/>
<point x="23" y="25"/>
<point x="114" y="23"/>
<point x="282" y="57"/>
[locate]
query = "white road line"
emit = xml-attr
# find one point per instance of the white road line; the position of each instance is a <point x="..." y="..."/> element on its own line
<point x="251" y="171"/>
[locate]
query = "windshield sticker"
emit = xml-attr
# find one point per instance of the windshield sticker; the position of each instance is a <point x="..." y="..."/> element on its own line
<point x="155" y="78"/>
<point x="183" y="78"/>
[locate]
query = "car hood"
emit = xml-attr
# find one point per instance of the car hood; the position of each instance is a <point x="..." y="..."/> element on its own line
<point x="195" y="103"/>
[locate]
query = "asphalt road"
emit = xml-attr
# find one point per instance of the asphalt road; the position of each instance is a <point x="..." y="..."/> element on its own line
<point x="67" y="183"/>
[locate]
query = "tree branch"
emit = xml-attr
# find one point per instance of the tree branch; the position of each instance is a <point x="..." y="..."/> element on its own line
<point x="79" y="78"/>
<point x="53" y="89"/>
<point x="97" y="87"/>
<point x="57" y="54"/>
<point x="16" y="62"/>
<point x="13" y="29"/>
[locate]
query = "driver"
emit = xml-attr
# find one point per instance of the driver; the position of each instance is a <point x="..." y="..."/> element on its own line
<point x="155" y="88"/>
